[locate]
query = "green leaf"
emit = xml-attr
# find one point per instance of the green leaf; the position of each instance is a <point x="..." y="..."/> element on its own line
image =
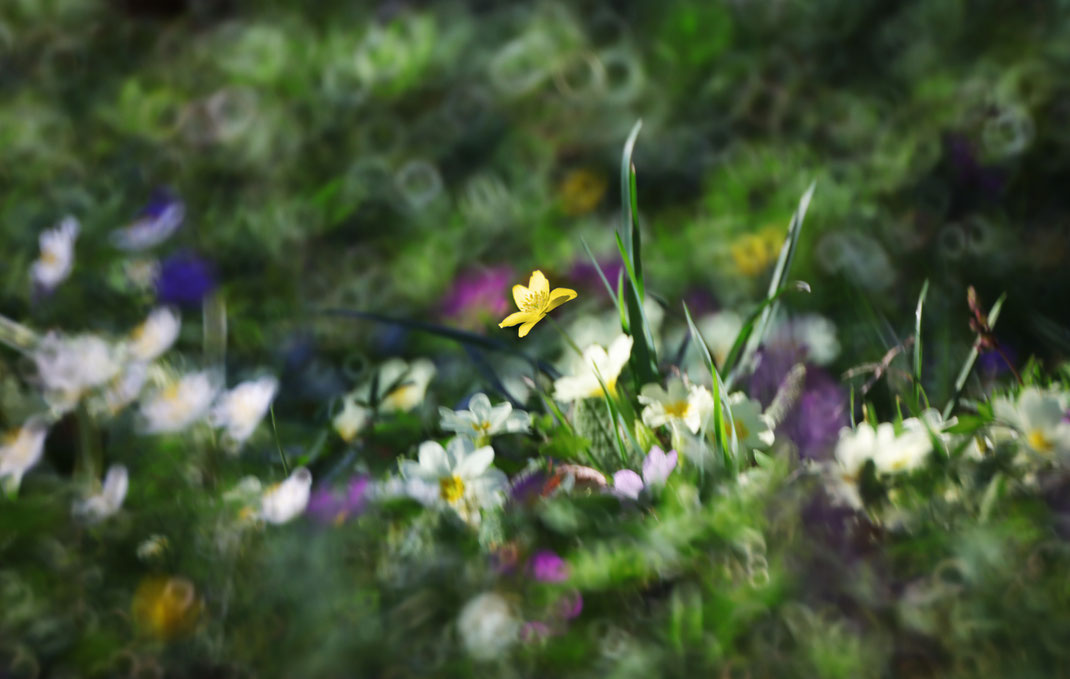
<point x="917" y="341"/>
<point x="971" y="358"/>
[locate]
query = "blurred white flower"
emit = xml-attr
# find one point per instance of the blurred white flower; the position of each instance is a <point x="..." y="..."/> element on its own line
<point x="57" y="254"/>
<point x="123" y="389"/>
<point x="284" y="501"/>
<point x="20" y="451"/>
<point x="155" y="336"/>
<point x="108" y="499"/>
<point x="482" y="420"/>
<point x="596" y="362"/>
<point x="407" y="384"/>
<point x="814" y="333"/>
<point x="69" y="366"/>
<point x="891" y="454"/>
<point x="487" y="626"/>
<point x="240" y="410"/>
<point x="155" y="224"/>
<point x="1037" y="415"/>
<point x="679" y="405"/>
<point x="754" y="430"/>
<point x="351" y="419"/>
<point x="179" y="404"/>
<point x="463" y="473"/>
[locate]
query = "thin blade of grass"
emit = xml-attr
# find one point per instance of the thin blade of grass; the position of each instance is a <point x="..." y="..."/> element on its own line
<point x="644" y="359"/>
<point x="731" y="361"/>
<point x="214" y="313"/>
<point x="971" y="358"/>
<point x="720" y="398"/>
<point x="627" y="215"/>
<point x="780" y="273"/>
<point x="602" y="275"/>
<point x="917" y="340"/>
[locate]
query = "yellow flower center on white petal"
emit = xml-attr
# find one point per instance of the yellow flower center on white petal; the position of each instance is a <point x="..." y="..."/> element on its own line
<point x="49" y="257"/>
<point x="171" y="393"/>
<point x="535" y="301"/>
<point x="677" y="409"/>
<point x="451" y="488"/>
<point x="741" y="430"/>
<point x="406" y="397"/>
<point x="481" y="427"/>
<point x="1039" y="442"/>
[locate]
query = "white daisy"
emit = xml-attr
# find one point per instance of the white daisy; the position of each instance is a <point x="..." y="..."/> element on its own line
<point x="891" y="454"/>
<point x="463" y="473"/>
<point x="482" y="420"/>
<point x="487" y="626"/>
<point x="155" y="336"/>
<point x="409" y="382"/>
<point x="596" y="362"/>
<point x="240" y="410"/>
<point x="351" y="419"/>
<point x="20" y="451"/>
<point x="70" y="366"/>
<point x="179" y="404"/>
<point x="57" y="254"/>
<point x="285" y="501"/>
<point x="681" y="404"/>
<point x="108" y="499"/>
<point x="1037" y="415"/>
<point x="754" y="430"/>
<point x="122" y="390"/>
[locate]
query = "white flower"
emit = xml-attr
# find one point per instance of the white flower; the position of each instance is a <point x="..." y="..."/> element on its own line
<point x="487" y="626"/>
<point x="1038" y="417"/>
<point x="482" y="420"/>
<point x="57" y="254"/>
<point x="407" y="384"/>
<point x="596" y="362"/>
<point x="156" y="224"/>
<point x="179" y="404"/>
<point x="20" y="451"/>
<point x="463" y="473"/>
<point x="69" y="366"/>
<point x="393" y="487"/>
<point x="108" y="500"/>
<point x="122" y="389"/>
<point x="681" y="404"/>
<point x="240" y="410"/>
<point x="284" y="501"/>
<point x="155" y="336"/>
<point x="351" y="419"/>
<point x="754" y="430"/>
<point x="891" y="454"/>
<point x="813" y="332"/>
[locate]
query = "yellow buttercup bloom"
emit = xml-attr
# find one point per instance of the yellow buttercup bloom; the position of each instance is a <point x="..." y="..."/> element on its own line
<point x="534" y="302"/>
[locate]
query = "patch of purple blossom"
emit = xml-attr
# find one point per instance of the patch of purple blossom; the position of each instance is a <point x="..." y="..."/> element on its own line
<point x="185" y="279"/>
<point x="336" y="506"/>
<point x="154" y="224"/>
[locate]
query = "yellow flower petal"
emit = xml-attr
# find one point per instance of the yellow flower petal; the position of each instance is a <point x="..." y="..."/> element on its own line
<point x="558" y="297"/>
<point x="518" y="317"/>
<point x="538" y="284"/>
<point x="526" y="328"/>
<point x="520" y="293"/>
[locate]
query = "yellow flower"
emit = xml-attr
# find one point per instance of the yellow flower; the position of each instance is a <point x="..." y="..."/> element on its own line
<point x="534" y="302"/>
<point x="165" y="607"/>
<point x="582" y="191"/>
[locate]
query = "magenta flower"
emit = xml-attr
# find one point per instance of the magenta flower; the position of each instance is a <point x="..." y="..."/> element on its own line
<point x="328" y="505"/>
<point x="478" y="294"/>
<point x="547" y="566"/>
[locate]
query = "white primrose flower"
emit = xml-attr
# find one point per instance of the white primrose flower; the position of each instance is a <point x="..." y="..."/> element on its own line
<point x="679" y="405"/>
<point x="240" y="410"/>
<point x="70" y="366"/>
<point x="463" y="474"/>
<point x="57" y="254"/>
<point x="155" y="336"/>
<point x="20" y="451"/>
<point x="179" y="404"/>
<point x="108" y="499"/>
<point x="409" y="382"/>
<point x="891" y="454"/>
<point x="487" y="626"/>
<point x="754" y="430"/>
<point x="1037" y="415"/>
<point x="285" y="501"/>
<point x="656" y="469"/>
<point x="482" y="420"/>
<point x="351" y="419"/>
<point x="122" y="390"/>
<point x="596" y="362"/>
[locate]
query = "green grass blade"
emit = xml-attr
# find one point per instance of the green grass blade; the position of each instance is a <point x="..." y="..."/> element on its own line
<point x="731" y="361"/>
<point x="626" y="193"/>
<point x="971" y="358"/>
<point x="605" y="281"/>
<point x="721" y="427"/>
<point x="917" y="341"/>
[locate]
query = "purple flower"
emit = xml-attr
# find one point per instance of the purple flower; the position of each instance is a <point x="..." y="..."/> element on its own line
<point x="570" y="605"/>
<point x="528" y="487"/>
<point x="478" y="294"/>
<point x="184" y="279"/>
<point x="584" y="275"/>
<point x="547" y="566"/>
<point x="656" y="469"/>
<point x="328" y="505"/>
<point x="154" y="224"/>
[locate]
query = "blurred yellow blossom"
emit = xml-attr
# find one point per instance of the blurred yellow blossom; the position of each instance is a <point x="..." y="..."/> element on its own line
<point x="581" y="191"/>
<point x="166" y="607"/>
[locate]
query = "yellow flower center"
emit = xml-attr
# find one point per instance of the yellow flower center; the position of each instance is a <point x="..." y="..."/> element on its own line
<point x="741" y="430"/>
<point x="49" y="257"/>
<point x="451" y="488"/>
<point x="535" y="301"/>
<point x="171" y="392"/>
<point x="481" y="427"/>
<point x="406" y="397"/>
<point x="677" y="409"/>
<point x="1039" y="442"/>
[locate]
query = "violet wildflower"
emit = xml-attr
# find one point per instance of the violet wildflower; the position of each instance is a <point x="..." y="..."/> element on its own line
<point x="185" y="279"/>
<point x="656" y="469"/>
<point x="569" y="605"/>
<point x="154" y="223"/>
<point x="546" y="566"/>
<point x="329" y="505"/>
<point x="585" y="276"/>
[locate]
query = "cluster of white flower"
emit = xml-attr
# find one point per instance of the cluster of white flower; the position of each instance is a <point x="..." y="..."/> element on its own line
<point x="400" y="387"/>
